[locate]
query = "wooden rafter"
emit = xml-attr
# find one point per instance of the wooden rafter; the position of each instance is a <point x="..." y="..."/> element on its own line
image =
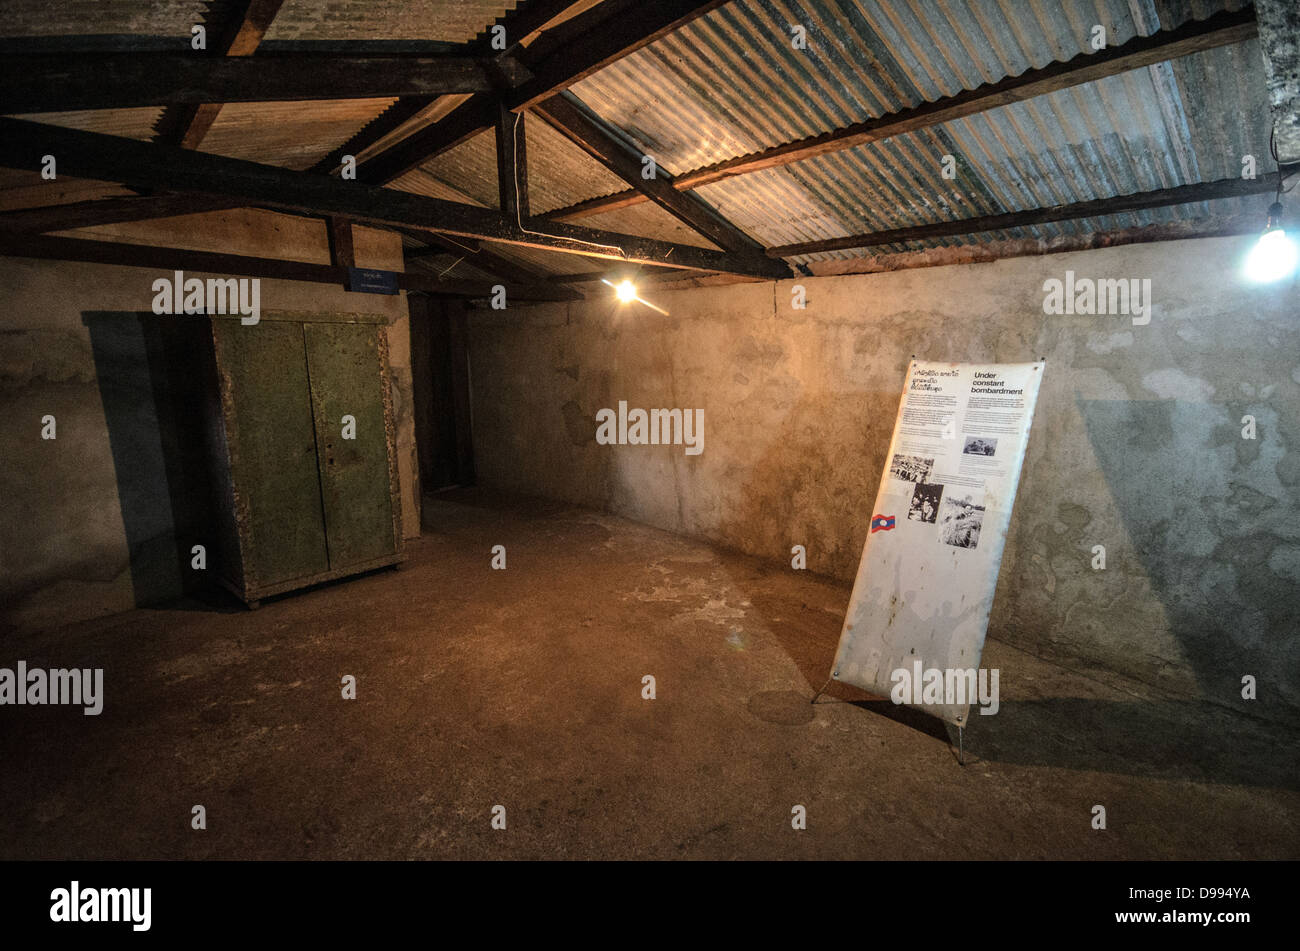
<point x="123" y="80"/>
<point x="1095" y="208"/>
<point x="567" y="114"/>
<point x="575" y="49"/>
<point x="104" y="211"/>
<point x="150" y="256"/>
<point x="342" y="252"/>
<point x="187" y="125"/>
<point x="512" y="165"/>
<point x="150" y="165"/>
<point x="480" y="257"/>
<point x="519" y="24"/>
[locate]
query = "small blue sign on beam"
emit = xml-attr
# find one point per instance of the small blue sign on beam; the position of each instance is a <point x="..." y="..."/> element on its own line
<point x="370" y="280"/>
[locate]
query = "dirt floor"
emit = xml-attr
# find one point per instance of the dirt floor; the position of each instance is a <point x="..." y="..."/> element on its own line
<point x="523" y="688"/>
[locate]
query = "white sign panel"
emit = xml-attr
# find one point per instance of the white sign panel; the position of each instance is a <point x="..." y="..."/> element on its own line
<point x="920" y="606"/>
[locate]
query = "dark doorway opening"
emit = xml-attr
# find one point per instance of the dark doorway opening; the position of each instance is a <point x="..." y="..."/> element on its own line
<point x="440" y="374"/>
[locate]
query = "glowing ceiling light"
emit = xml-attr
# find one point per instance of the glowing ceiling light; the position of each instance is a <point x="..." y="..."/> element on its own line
<point x="1274" y="255"/>
<point x="625" y="291"/>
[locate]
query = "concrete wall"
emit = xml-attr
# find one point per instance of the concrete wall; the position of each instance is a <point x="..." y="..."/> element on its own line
<point x="89" y="522"/>
<point x="1136" y="445"/>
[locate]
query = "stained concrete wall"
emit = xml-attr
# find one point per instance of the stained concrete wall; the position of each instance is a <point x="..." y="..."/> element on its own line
<point x="1136" y="445"/>
<point x="92" y="522"/>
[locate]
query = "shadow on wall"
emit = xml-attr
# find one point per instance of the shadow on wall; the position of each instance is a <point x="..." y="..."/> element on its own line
<point x="1206" y="514"/>
<point x="1189" y="494"/>
<point x="151" y="376"/>
<point x="806" y="487"/>
<point x="1203" y="507"/>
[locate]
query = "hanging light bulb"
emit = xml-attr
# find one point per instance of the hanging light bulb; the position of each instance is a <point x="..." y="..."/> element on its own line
<point x="1274" y="255"/>
<point x="625" y="292"/>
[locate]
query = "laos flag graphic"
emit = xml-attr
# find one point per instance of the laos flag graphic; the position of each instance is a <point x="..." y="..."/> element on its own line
<point x="881" y="523"/>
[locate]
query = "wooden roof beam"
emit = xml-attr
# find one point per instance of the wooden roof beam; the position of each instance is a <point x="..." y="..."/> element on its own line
<point x="559" y="58"/>
<point x="1094" y="208"/>
<point x="187" y="125"/>
<point x="150" y="165"/>
<point x="125" y="80"/>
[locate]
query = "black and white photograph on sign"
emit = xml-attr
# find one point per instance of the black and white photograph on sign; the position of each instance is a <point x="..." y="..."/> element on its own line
<point x="960" y="522"/>
<point x="925" y="503"/>
<point x="911" y="468"/>
<point x="979" y="446"/>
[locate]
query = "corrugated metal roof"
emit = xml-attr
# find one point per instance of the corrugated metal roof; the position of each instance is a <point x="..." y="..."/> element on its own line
<point x="27" y="189"/>
<point x="290" y="134"/>
<point x="99" y="24"/>
<point x="647" y="220"/>
<point x="559" y="173"/>
<point x="127" y="123"/>
<point x="731" y="83"/>
<point x="448" y="21"/>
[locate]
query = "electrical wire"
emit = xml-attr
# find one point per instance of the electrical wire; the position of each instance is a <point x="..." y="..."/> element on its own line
<point x="514" y="144"/>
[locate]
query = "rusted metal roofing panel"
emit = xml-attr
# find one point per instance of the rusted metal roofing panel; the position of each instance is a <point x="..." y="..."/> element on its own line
<point x="559" y="173"/>
<point x="732" y="82"/>
<point x="648" y="220"/>
<point x="290" y="134"/>
<point x="470" y="169"/>
<point x="101" y="25"/>
<point x="127" y="123"/>
<point x="27" y="189"/>
<point x="447" y="21"/>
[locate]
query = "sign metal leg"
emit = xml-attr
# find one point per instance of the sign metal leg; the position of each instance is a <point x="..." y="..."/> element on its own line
<point x="821" y="691"/>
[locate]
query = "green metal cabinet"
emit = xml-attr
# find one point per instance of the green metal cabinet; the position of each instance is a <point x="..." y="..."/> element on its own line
<point x="298" y="503"/>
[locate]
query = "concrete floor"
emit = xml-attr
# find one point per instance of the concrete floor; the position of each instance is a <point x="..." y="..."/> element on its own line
<point x="523" y="687"/>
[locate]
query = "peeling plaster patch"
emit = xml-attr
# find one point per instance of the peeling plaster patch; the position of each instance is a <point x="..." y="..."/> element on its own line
<point x="657" y="594"/>
<point x="766" y="353"/>
<point x="44" y="356"/>
<point x="1285" y="562"/>
<point x="1263" y="392"/>
<point x="1249" y="628"/>
<point x="715" y="611"/>
<point x="1105" y="343"/>
<point x="1195" y="336"/>
<point x="581" y="430"/>
<point x="1174" y="384"/>
<point x="1198" y="541"/>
